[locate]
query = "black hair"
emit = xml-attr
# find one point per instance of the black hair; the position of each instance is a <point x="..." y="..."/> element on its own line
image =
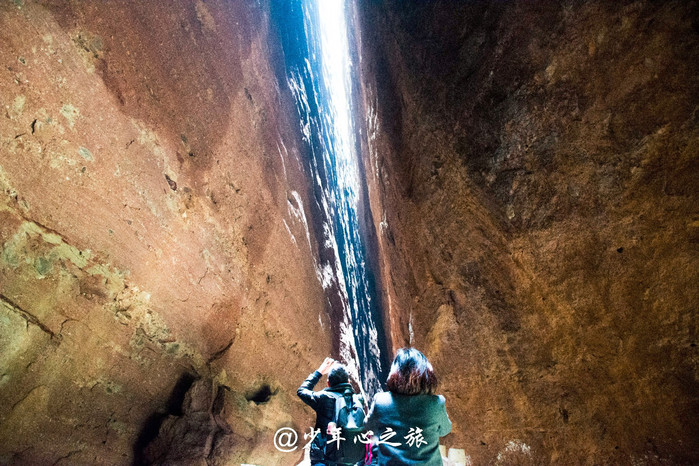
<point x="337" y="375"/>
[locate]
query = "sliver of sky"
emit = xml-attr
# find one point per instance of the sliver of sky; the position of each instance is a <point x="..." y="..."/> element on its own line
<point x="319" y="73"/>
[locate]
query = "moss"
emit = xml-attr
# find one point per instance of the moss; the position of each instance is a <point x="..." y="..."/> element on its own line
<point x="43" y="266"/>
<point x="112" y="388"/>
<point x="172" y="348"/>
<point x="86" y="154"/>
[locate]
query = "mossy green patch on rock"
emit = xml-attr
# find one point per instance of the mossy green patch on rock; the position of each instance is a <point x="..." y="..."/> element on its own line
<point x="43" y="266"/>
<point x="85" y="153"/>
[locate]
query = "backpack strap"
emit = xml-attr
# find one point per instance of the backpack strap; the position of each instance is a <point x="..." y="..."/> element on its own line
<point x="337" y="397"/>
<point x="348" y="395"/>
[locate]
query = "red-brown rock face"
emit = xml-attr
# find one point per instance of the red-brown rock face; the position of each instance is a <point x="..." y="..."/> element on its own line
<point x="532" y="170"/>
<point x="157" y="266"/>
<point x="533" y="174"/>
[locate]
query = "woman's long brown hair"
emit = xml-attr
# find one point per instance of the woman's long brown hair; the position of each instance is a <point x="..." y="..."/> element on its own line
<point x="411" y="374"/>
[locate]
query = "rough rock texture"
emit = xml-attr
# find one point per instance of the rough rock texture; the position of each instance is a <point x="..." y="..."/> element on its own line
<point x="153" y="234"/>
<point x="189" y="434"/>
<point x="533" y="169"/>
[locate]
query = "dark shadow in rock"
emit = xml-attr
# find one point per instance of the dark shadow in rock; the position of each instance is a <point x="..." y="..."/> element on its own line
<point x="261" y="395"/>
<point x="151" y="427"/>
<point x="192" y="427"/>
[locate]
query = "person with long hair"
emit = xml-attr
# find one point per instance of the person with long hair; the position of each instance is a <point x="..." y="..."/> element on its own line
<point x="409" y="418"/>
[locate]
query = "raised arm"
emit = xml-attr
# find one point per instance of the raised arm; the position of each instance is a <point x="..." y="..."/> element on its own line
<point x="305" y="391"/>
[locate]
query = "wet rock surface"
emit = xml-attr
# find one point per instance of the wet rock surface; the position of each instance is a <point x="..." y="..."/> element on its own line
<point x="533" y="176"/>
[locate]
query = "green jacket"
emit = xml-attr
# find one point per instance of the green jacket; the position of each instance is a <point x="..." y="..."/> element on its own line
<point x="418" y="422"/>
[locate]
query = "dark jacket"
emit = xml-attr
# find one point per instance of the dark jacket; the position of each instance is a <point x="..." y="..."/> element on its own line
<point x="323" y="403"/>
<point x="401" y="413"/>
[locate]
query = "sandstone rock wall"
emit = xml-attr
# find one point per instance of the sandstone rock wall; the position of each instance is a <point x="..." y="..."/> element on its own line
<point x="157" y="282"/>
<point x="533" y="173"/>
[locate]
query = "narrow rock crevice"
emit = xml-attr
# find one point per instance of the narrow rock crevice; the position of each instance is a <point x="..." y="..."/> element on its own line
<point x="29" y="317"/>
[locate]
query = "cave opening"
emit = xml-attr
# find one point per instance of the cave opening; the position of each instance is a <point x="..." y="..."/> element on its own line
<point x="260" y="395"/>
<point x="151" y="427"/>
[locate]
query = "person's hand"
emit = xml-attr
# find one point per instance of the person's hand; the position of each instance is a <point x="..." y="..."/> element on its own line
<point x="331" y="427"/>
<point x="325" y="367"/>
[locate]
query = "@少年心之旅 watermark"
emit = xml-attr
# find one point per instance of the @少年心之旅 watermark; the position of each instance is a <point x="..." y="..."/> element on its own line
<point x="286" y="439"/>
